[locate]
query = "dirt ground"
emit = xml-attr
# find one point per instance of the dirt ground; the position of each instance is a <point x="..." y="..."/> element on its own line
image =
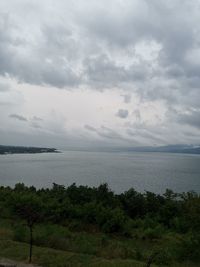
<point x="11" y="263"/>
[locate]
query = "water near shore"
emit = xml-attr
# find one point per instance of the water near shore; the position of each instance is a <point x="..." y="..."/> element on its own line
<point x="143" y="171"/>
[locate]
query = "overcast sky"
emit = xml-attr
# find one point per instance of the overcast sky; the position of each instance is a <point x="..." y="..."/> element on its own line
<point x="109" y="72"/>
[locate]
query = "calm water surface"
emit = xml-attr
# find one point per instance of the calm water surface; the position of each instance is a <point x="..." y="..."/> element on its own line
<point x="143" y="171"/>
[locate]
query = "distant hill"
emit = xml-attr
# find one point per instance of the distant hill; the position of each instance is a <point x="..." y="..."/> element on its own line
<point x="24" y="150"/>
<point x="188" y="149"/>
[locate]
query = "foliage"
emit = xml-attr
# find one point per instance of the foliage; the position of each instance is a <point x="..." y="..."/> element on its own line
<point x="142" y="220"/>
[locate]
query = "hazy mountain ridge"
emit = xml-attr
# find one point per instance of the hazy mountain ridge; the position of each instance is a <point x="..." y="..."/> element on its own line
<point x="189" y="149"/>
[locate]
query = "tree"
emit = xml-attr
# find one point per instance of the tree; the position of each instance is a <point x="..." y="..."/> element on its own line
<point x="133" y="203"/>
<point x="29" y="208"/>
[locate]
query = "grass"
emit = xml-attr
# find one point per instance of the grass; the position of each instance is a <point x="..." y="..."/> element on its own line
<point x="57" y="246"/>
<point x="56" y="258"/>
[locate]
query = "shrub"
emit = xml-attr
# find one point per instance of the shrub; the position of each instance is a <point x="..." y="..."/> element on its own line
<point x="20" y="233"/>
<point x="163" y="257"/>
<point x="154" y="233"/>
<point x="189" y="248"/>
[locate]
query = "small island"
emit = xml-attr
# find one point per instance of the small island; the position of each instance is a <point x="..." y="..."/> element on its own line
<point x="25" y="150"/>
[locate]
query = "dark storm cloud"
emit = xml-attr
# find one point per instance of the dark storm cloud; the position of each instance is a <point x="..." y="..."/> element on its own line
<point x="122" y="113"/>
<point x="18" y="117"/>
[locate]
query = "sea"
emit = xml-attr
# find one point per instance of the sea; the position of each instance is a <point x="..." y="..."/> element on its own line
<point x="146" y="171"/>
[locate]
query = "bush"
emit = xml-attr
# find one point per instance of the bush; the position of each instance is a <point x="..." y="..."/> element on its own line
<point x="21" y="233"/>
<point x="114" y="221"/>
<point x="189" y="248"/>
<point x="180" y="225"/>
<point x="159" y="256"/>
<point x="116" y="250"/>
<point x="148" y="222"/>
<point x="164" y="257"/>
<point x="154" y="233"/>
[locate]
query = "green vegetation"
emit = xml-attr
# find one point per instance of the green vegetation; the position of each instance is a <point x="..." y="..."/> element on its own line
<point x="84" y="226"/>
<point x="25" y="150"/>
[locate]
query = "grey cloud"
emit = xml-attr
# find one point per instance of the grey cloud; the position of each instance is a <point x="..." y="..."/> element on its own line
<point x="123" y="26"/>
<point x="94" y="45"/>
<point x="40" y="65"/>
<point x="90" y="128"/>
<point x="80" y="50"/>
<point x="36" y="122"/>
<point x="127" y="98"/>
<point x="4" y="87"/>
<point x="160" y="21"/>
<point x="137" y="114"/>
<point x="35" y="118"/>
<point x="192" y="118"/>
<point x="122" y="113"/>
<point x="18" y="117"/>
<point x="3" y="103"/>
<point x="175" y="71"/>
<point x="36" y="125"/>
<point x="103" y="72"/>
<point x="107" y="133"/>
<point x="169" y="132"/>
<point x="147" y="136"/>
<point x="161" y="90"/>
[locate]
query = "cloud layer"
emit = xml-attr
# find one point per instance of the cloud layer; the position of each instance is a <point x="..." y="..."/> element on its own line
<point x="145" y="53"/>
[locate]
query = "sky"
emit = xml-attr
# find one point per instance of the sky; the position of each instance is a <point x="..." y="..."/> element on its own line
<point x="99" y="73"/>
